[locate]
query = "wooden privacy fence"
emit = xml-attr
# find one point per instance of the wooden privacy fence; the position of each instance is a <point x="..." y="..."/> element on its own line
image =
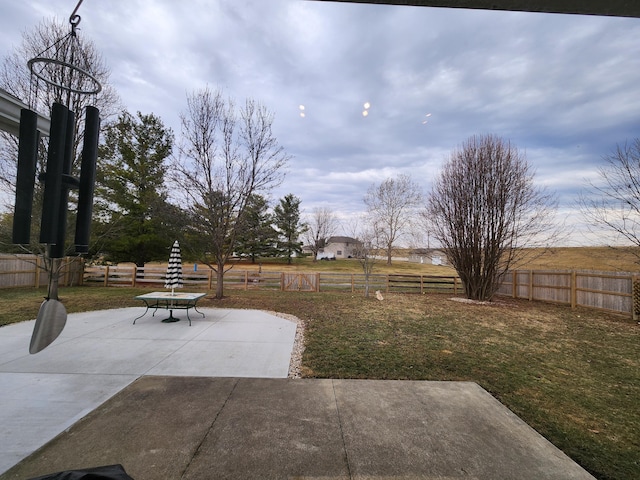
<point x="613" y="292"/>
<point x="25" y="270"/>
<point x="132" y="276"/>
<point x="609" y="291"/>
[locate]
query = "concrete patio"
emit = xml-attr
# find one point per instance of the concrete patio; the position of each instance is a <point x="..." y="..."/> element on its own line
<point x="213" y="401"/>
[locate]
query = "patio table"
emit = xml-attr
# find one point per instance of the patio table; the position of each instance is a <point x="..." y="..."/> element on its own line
<point x="170" y="301"/>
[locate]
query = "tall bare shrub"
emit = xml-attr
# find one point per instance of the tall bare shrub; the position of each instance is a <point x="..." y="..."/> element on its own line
<point x="484" y="209"/>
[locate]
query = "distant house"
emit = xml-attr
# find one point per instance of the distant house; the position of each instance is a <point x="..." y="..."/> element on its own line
<point x="340" y="247"/>
<point x="430" y="256"/>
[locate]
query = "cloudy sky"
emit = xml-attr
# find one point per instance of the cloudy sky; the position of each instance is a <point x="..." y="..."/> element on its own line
<point x="564" y="89"/>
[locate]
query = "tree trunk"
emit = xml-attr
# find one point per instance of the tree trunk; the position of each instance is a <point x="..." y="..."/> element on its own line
<point x="220" y="282"/>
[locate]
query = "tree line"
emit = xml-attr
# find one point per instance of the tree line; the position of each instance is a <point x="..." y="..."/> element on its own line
<point x="209" y="194"/>
<point x="210" y="188"/>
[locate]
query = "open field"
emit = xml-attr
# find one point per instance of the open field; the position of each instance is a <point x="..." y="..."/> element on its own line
<point x="606" y="259"/>
<point x="574" y="375"/>
<point x="350" y="265"/>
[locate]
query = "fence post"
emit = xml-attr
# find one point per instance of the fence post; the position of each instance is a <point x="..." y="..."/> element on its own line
<point x="106" y="276"/>
<point x="83" y="264"/>
<point x="635" y="303"/>
<point x="210" y="286"/>
<point x="133" y="277"/>
<point x="246" y="279"/>
<point x="282" y="282"/>
<point x="317" y="282"/>
<point x="37" y="273"/>
<point x="574" y="289"/>
<point x="530" y="285"/>
<point x="514" y="283"/>
<point x="353" y="285"/>
<point x="65" y="272"/>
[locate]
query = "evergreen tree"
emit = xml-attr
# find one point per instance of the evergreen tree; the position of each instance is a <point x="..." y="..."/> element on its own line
<point x="257" y="237"/>
<point x="289" y="227"/>
<point x="131" y="198"/>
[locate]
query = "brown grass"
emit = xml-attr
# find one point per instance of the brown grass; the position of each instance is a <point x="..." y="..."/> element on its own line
<point x="608" y="259"/>
<point x="622" y="259"/>
<point x="573" y="375"/>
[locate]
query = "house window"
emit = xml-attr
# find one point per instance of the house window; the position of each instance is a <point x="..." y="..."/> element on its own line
<point x="339" y="253"/>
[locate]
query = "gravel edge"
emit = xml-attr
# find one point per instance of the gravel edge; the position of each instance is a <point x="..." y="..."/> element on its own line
<point x="295" y="364"/>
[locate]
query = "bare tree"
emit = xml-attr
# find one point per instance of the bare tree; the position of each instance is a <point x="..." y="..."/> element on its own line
<point x="367" y="245"/>
<point x="484" y="209"/>
<point x="366" y="250"/>
<point x="321" y="225"/>
<point x="392" y="205"/>
<point x="227" y="155"/>
<point x="15" y="78"/>
<point x="613" y="205"/>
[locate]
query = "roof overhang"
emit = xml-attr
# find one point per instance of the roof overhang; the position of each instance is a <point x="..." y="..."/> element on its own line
<point x="616" y="8"/>
<point x="10" y="107"/>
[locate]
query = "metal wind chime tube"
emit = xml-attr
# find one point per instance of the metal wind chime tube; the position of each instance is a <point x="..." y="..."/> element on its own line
<point x="87" y="179"/>
<point x="25" y="177"/>
<point x="57" y="250"/>
<point x="53" y="175"/>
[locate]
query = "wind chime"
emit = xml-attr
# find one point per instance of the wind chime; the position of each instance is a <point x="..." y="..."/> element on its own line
<point x="63" y="68"/>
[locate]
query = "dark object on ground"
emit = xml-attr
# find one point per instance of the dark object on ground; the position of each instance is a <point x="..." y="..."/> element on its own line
<point x="108" y="472"/>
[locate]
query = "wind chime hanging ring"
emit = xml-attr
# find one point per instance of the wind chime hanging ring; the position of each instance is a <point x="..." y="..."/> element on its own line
<point x="74" y="19"/>
<point x="95" y="88"/>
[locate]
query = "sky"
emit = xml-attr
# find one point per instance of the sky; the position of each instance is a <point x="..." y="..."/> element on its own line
<point x="564" y="89"/>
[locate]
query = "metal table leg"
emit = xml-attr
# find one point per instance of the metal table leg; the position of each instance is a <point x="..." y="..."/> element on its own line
<point x="145" y="312"/>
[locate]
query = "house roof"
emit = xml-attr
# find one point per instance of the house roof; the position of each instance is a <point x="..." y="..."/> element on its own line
<point x="10" y="107"/>
<point x="426" y="251"/>
<point x="342" y="240"/>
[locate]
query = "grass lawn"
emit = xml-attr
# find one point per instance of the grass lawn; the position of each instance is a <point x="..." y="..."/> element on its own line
<point x="573" y="375"/>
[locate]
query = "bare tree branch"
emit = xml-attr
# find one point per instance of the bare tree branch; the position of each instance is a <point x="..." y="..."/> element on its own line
<point x="321" y="225"/>
<point x="484" y="210"/>
<point x="613" y="205"/>
<point x="226" y="157"/>
<point x="391" y="206"/>
<point x="368" y="244"/>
